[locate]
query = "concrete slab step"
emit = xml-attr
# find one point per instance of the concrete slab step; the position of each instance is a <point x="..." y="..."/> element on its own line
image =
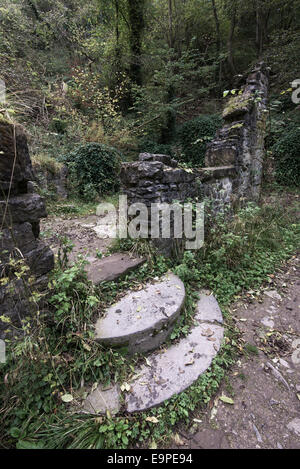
<point x="142" y="320"/>
<point x="112" y="267"/>
<point x="171" y="371"/>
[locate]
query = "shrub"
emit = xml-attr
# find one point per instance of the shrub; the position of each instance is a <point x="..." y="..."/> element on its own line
<point x="150" y="146"/>
<point x="94" y="169"/>
<point x="194" y="135"/>
<point x="287" y="156"/>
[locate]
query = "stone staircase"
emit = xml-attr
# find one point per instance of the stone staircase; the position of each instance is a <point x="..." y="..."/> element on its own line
<point x="141" y="322"/>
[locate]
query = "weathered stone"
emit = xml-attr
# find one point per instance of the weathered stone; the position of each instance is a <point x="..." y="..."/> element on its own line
<point x="23" y="208"/>
<point x="294" y="426"/>
<point x="156" y="179"/>
<point x="165" y="159"/>
<point x="52" y="179"/>
<point x="240" y="142"/>
<point x="220" y="154"/>
<point x="20" y="213"/>
<point x="173" y="370"/>
<point x="143" y="319"/>
<point x="177" y="175"/>
<point x="102" y="400"/>
<point x="111" y="268"/>
<point x="238" y="106"/>
<point x="129" y="173"/>
<point x="20" y="237"/>
<point x="150" y="169"/>
<point x="14" y="154"/>
<point x="40" y="260"/>
<point x="219" y="172"/>
<point x="208" y="309"/>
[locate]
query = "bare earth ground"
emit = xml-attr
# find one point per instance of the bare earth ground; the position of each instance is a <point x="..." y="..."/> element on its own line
<point x="78" y="230"/>
<point x="265" y="388"/>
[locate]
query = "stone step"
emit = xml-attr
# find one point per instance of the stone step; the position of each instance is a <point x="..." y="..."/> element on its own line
<point x="112" y="267"/>
<point x="171" y="371"/>
<point x="143" y="320"/>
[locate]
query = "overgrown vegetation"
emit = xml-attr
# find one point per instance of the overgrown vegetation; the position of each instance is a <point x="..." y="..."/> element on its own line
<point x="128" y="74"/>
<point x="93" y="169"/>
<point x="286" y="152"/>
<point x="193" y="137"/>
<point x="93" y="81"/>
<point x="56" y="360"/>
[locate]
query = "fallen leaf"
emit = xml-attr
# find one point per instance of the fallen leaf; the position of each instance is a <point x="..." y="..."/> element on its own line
<point x="87" y="347"/>
<point x="207" y="333"/>
<point x="67" y="398"/>
<point x="125" y="387"/>
<point x="178" y="440"/>
<point x="190" y="363"/>
<point x="147" y="361"/>
<point x="226" y="399"/>
<point x="152" y="419"/>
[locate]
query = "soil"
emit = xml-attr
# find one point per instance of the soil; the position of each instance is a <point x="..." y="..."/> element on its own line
<point x="264" y="385"/>
<point x="79" y="231"/>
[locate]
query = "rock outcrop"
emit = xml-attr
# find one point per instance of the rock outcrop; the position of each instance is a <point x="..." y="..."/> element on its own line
<point x="20" y="214"/>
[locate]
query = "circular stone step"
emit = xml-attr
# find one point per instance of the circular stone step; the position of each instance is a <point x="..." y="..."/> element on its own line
<point x="172" y="371"/>
<point x="142" y="320"/>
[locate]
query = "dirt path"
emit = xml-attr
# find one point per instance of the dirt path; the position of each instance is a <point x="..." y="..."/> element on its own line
<point x="80" y="231"/>
<point x="265" y="384"/>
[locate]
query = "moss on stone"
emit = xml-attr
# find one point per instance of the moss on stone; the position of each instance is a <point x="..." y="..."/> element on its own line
<point x="237" y="105"/>
<point x="46" y="163"/>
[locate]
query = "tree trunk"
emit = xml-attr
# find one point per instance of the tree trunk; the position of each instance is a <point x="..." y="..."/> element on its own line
<point x="230" y="43"/>
<point x="218" y="43"/>
<point x="171" y="35"/>
<point x="136" y="27"/>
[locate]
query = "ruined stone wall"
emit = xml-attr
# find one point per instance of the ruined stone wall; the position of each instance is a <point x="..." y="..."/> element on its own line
<point x="157" y="179"/>
<point x="233" y="161"/>
<point x="20" y="214"/>
<point x="239" y="144"/>
<point x="51" y="180"/>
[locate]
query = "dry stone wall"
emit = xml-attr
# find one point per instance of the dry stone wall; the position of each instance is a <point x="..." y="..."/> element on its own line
<point x="238" y="147"/>
<point x="157" y="179"/>
<point x="233" y="161"/>
<point x="20" y="214"/>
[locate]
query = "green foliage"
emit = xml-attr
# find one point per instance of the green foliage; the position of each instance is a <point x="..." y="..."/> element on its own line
<point x="240" y="253"/>
<point x="150" y="146"/>
<point x="194" y="135"/>
<point x="58" y="125"/>
<point x="287" y="157"/>
<point x="59" y="354"/>
<point x="94" y="169"/>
